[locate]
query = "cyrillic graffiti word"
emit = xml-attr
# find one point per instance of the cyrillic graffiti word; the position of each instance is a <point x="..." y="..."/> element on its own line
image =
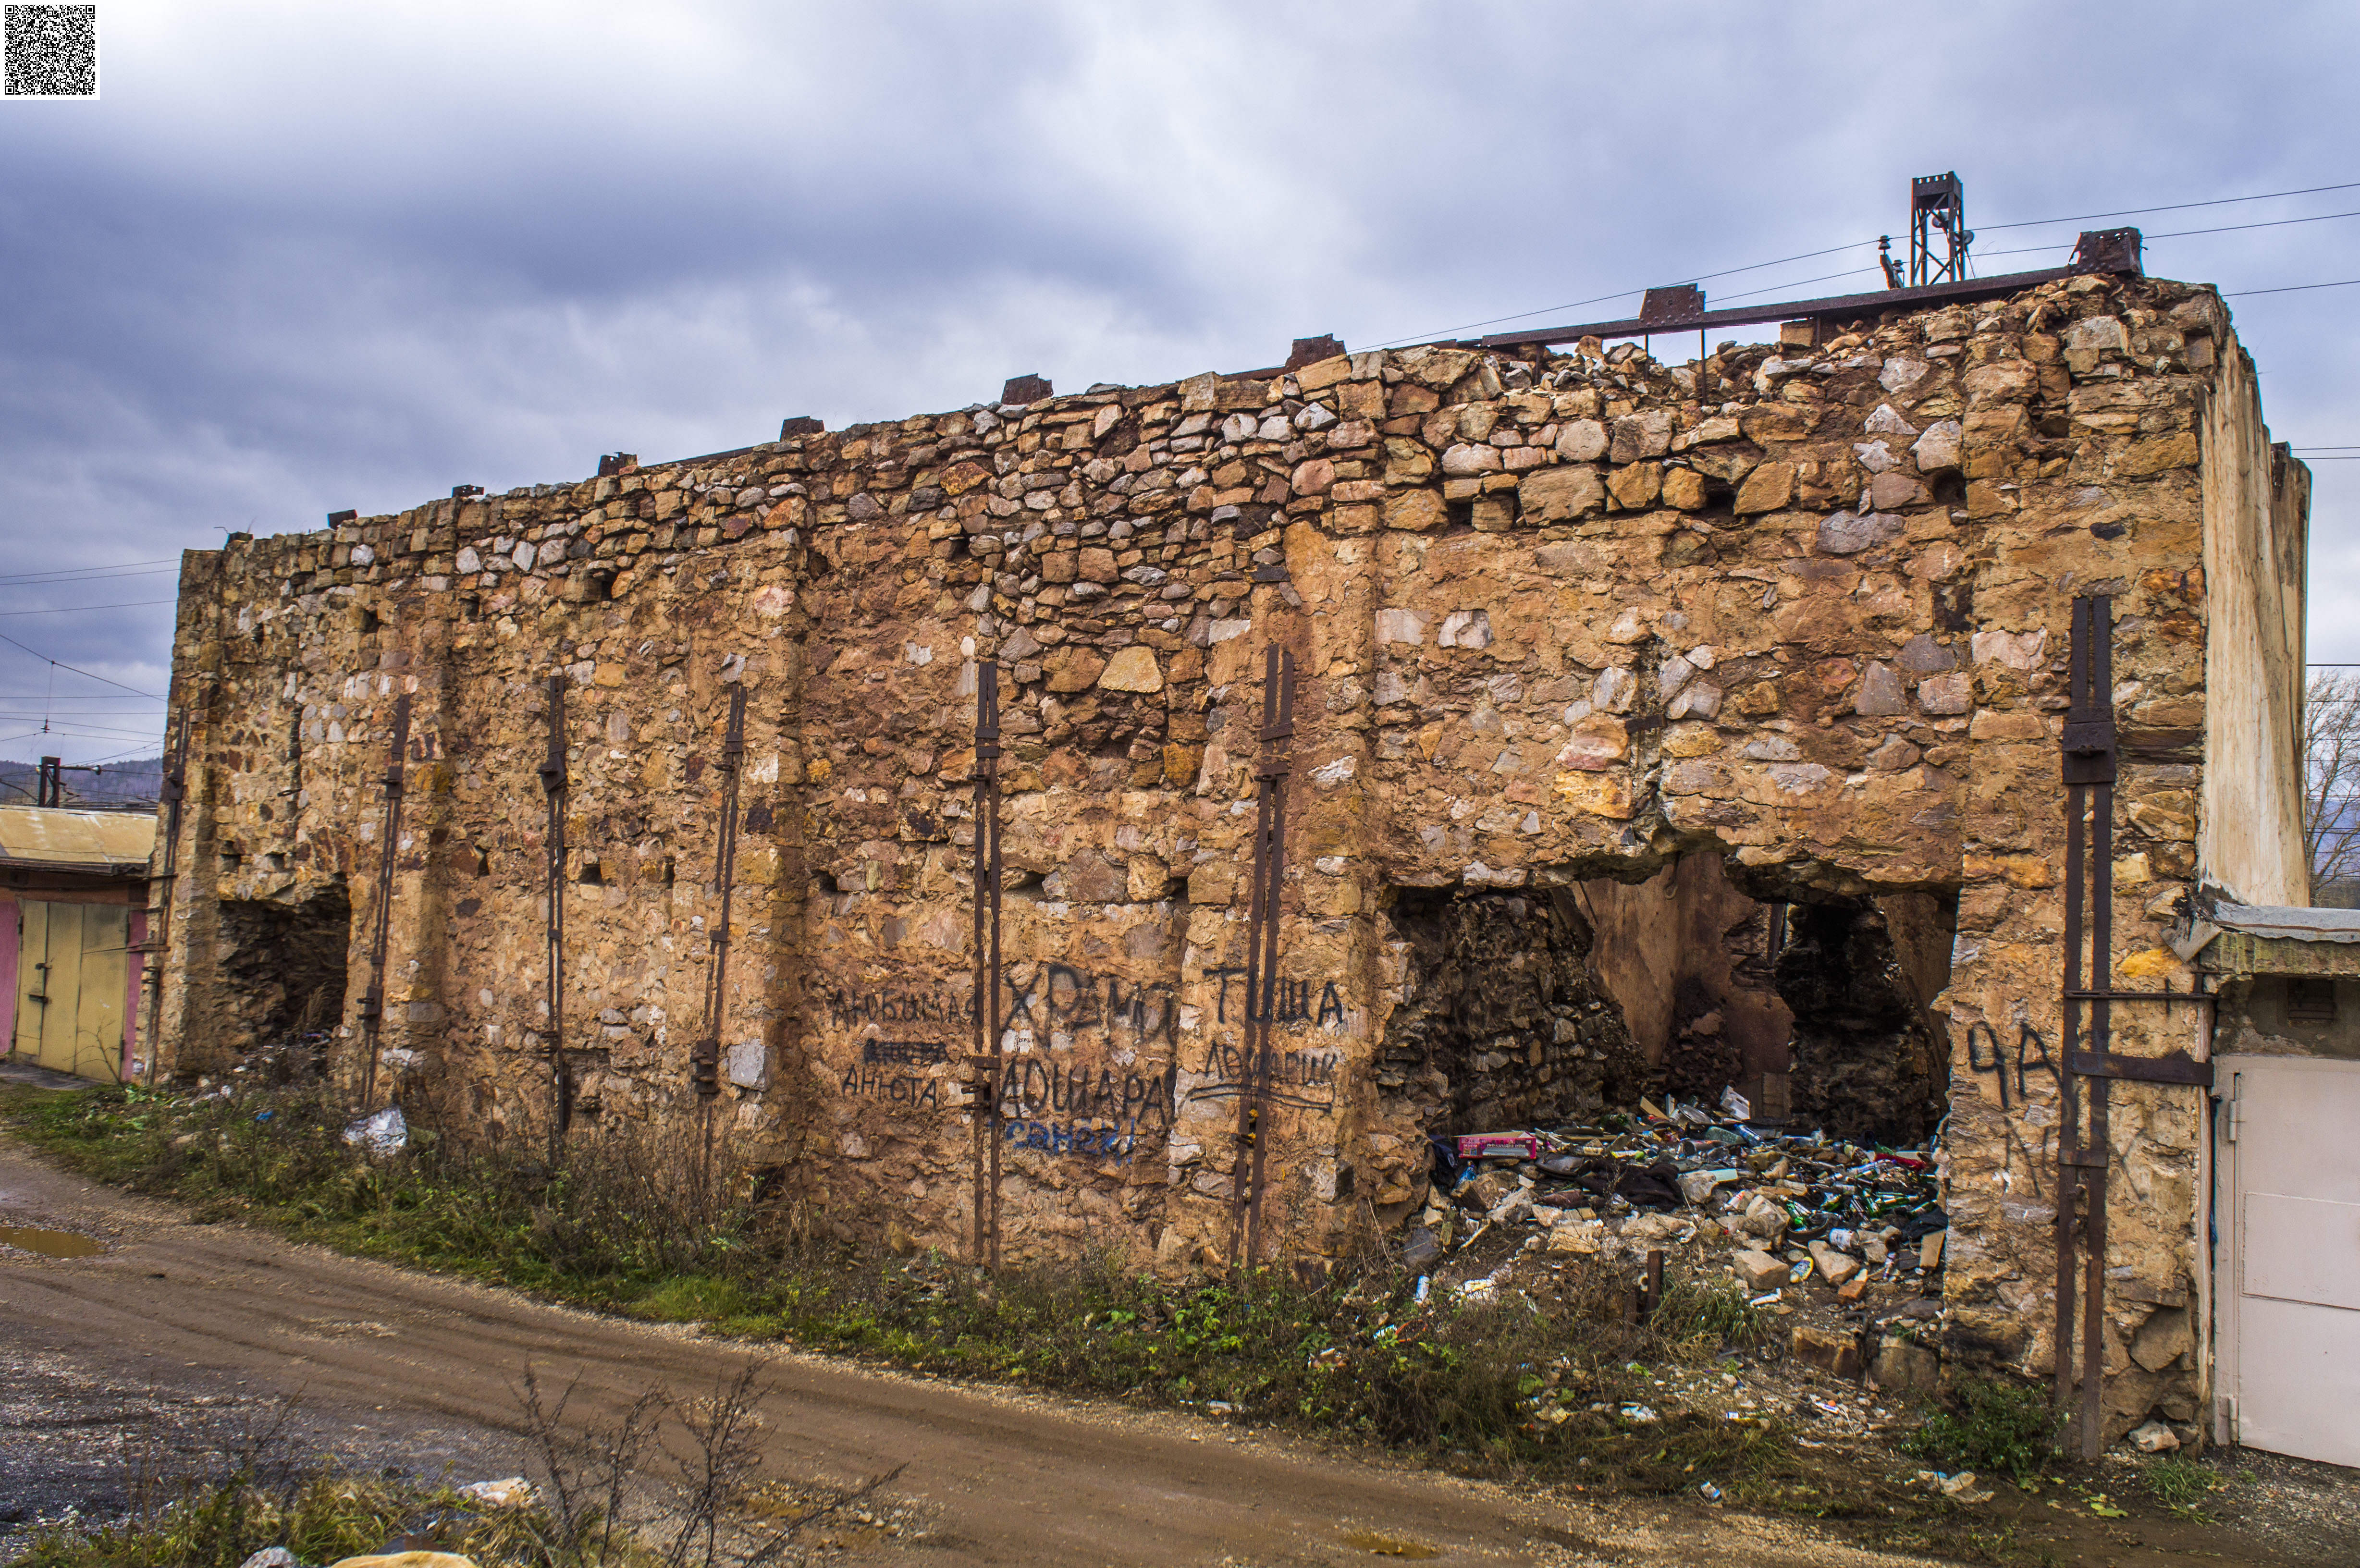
<point x="1029" y="1087"/>
<point x="1301" y="1078"/>
<point x="905" y="1052"/>
<point x="848" y="1009"/>
<point x="893" y="1088"/>
<point x="1109" y="1143"/>
<point x="1063" y="999"/>
<point x="1284" y="1001"/>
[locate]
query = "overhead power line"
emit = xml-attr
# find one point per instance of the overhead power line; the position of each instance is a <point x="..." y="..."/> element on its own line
<point x="1987" y="228"/>
<point x="1602" y="299"/>
<point x="61" y="664"/>
<point x="70" y="609"/>
<point x="2290" y="289"/>
<point x="128" y="569"/>
<point x="2174" y="207"/>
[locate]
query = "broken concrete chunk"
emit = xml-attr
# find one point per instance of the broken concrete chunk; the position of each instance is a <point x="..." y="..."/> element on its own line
<point x="1583" y="1237"/>
<point x="1835" y="1354"/>
<point x="1758" y="1272"/>
<point x="1903" y="1368"/>
<point x="1834" y="1266"/>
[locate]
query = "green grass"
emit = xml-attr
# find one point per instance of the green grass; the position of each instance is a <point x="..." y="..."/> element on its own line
<point x="2183" y="1485"/>
<point x="1992" y="1427"/>
<point x="319" y="1511"/>
<point x="1514" y="1385"/>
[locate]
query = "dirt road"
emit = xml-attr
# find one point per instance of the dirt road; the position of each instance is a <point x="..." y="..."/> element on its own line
<point x="202" y="1322"/>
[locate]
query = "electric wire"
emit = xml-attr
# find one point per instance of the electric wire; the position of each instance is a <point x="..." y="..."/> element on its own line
<point x="76" y="609"/>
<point x="2174" y="207"/>
<point x="2028" y="250"/>
<point x="2290" y="289"/>
<point x="159" y="566"/>
<point x="1622" y="293"/>
<point x="61" y="664"/>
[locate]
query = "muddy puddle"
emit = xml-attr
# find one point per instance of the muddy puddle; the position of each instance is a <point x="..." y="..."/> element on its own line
<point x="50" y="1243"/>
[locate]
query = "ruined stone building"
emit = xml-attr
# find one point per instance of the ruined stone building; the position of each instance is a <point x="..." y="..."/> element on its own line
<point x="1655" y="725"/>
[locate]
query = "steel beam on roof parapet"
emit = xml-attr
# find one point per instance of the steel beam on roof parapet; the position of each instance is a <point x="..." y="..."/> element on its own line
<point x="2100" y="251"/>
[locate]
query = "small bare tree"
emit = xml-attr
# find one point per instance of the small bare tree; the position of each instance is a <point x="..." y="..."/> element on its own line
<point x="2331" y="792"/>
<point x="620" y="1496"/>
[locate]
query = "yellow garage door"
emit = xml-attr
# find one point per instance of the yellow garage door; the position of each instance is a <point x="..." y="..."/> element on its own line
<point x="70" y="977"/>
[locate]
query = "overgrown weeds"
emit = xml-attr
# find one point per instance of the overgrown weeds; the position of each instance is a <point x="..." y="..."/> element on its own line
<point x="669" y="1482"/>
<point x="2183" y="1485"/>
<point x="261" y="1490"/>
<point x="1992" y="1426"/>
<point x="629" y="1223"/>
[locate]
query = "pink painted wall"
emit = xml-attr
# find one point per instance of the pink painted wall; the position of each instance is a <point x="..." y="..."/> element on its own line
<point x="12" y="938"/>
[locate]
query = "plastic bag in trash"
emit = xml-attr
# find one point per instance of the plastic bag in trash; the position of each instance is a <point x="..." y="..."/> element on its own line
<point x="383" y="1133"/>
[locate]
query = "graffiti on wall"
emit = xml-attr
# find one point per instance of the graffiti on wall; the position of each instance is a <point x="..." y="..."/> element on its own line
<point x="1054" y="1105"/>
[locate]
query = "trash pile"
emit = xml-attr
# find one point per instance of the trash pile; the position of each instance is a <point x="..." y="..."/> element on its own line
<point x="1795" y="1205"/>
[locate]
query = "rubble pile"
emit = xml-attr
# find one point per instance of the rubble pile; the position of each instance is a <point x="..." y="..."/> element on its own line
<point x="1781" y="1209"/>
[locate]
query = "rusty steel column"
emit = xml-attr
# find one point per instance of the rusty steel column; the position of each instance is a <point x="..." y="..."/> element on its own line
<point x="554" y="784"/>
<point x="704" y="1059"/>
<point x="2091" y="762"/>
<point x="1271" y="772"/>
<point x="175" y="791"/>
<point x="381" y="917"/>
<point x="985" y="1061"/>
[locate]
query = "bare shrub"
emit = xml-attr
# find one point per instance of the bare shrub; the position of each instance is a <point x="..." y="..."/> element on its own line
<point x="671" y="1483"/>
<point x="2331" y="753"/>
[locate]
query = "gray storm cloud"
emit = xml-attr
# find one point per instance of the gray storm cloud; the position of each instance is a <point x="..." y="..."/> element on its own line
<point x="303" y="259"/>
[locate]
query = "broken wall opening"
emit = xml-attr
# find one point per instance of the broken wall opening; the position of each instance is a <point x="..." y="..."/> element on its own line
<point x="282" y="967"/>
<point x="1502" y="1023"/>
<point x="1815" y="1011"/>
<point x="1871" y="1062"/>
<point x="1689" y="957"/>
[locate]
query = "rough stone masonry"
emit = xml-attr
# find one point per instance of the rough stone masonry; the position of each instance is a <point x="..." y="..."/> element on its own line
<point x="1556" y="619"/>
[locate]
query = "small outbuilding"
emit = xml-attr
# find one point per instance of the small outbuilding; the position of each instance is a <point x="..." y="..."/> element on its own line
<point x="74" y="894"/>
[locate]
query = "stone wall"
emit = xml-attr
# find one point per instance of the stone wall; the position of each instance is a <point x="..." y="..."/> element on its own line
<point x="1556" y="619"/>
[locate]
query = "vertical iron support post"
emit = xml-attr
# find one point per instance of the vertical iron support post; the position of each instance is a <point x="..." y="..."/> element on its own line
<point x="1275" y="764"/>
<point x="174" y="793"/>
<point x="985" y="1061"/>
<point x="381" y="917"/>
<point x="705" y="1064"/>
<point x="554" y="784"/>
<point x="2092" y="760"/>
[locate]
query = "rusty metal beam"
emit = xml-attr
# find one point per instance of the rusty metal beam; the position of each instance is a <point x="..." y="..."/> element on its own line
<point x="381" y="917"/>
<point x="985" y="1063"/>
<point x="2105" y="255"/>
<point x="2090" y="764"/>
<point x="1271" y="772"/>
<point x="554" y="784"/>
<point x="705" y="1057"/>
<point x="175" y="792"/>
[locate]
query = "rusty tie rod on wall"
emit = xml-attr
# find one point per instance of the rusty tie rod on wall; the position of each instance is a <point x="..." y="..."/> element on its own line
<point x="553" y="784"/>
<point x="985" y="1061"/>
<point x="175" y="792"/>
<point x="705" y="1064"/>
<point x="381" y="917"/>
<point x="1271" y="773"/>
<point x="2091" y="763"/>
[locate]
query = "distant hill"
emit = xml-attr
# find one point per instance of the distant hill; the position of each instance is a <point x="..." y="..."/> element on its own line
<point x="121" y="786"/>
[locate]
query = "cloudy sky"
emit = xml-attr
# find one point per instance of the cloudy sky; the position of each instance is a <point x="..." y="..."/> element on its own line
<point x="302" y="258"/>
